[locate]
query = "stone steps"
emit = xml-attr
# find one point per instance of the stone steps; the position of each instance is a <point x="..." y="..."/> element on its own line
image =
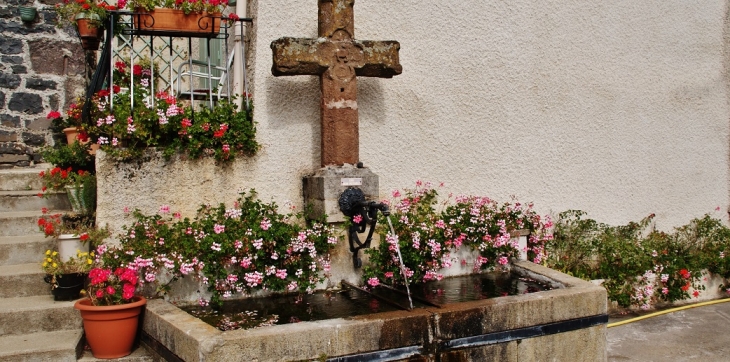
<point x="23" y="280"/>
<point x="20" y="179"/>
<point x="19" y="223"/>
<point x="28" y="200"/>
<point x="57" y="346"/>
<point x="24" y="249"/>
<point x="34" y="327"/>
<point x="27" y="315"/>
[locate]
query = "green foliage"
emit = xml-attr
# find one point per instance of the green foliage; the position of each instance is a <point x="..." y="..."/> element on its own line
<point x="75" y="155"/>
<point x="125" y="123"/>
<point x="238" y="250"/>
<point x="639" y="264"/>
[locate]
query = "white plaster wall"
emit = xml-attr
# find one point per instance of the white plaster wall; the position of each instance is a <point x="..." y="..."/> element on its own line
<point x="617" y="108"/>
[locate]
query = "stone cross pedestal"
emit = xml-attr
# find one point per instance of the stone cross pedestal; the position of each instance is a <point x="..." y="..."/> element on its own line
<point x="338" y="59"/>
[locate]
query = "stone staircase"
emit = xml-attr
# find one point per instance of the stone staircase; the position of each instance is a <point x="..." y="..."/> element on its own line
<point x="34" y="327"/>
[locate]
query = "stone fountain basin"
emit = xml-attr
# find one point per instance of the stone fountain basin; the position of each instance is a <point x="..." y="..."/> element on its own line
<point x="567" y="323"/>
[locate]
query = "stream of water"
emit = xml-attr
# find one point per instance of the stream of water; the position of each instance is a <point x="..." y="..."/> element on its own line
<point x="402" y="267"/>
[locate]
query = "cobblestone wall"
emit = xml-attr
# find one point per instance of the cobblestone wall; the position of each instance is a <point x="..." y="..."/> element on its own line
<point x="42" y="68"/>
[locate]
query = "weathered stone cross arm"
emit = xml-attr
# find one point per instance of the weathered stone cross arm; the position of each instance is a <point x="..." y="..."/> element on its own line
<point x="301" y="56"/>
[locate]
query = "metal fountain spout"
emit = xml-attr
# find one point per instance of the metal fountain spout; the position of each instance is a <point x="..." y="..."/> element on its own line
<point x="362" y="213"/>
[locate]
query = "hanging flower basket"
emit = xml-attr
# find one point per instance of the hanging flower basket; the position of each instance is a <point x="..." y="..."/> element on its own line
<point x="89" y="33"/>
<point x="174" y="20"/>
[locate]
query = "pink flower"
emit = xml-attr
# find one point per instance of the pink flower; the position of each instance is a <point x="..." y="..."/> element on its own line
<point x="389" y="274"/>
<point x="219" y="228"/>
<point x="265" y="224"/>
<point x="110" y="290"/>
<point x="373" y="282"/>
<point x="165" y="209"/>
<point x="357" y="219"/>
<point x="100" y="293"/>
<point x="503" y="260"/>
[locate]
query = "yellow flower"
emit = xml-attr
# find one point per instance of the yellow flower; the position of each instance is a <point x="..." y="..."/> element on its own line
<point x="49" y="260"/>
<point x="55" y="253"/>
<point x="44" y="264"/>
<point x="48" y="252"/>
<point x="55" y="265"/>
<point x="88" y="261"/>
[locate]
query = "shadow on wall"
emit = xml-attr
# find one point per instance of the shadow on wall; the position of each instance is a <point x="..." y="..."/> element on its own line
<point x="293" y="101"/>
<point x="370" y="100"/>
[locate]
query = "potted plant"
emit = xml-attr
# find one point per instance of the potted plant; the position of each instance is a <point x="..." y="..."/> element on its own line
<point x="80" y="186"/>
<point x="197" y="16"/>
<point x="66" y="277"/>
<point x="73" y="233"/>
<point x="111" y="311"/>
<point x="88" y="16"/>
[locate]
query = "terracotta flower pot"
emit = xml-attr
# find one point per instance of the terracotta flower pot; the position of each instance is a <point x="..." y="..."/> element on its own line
<point x="110" y="330"/>
<point x="71" y="133"/>
<point x="90" y="35"/>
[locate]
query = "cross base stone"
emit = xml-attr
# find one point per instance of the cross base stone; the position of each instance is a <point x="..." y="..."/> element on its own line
<point x="323" y="189"/>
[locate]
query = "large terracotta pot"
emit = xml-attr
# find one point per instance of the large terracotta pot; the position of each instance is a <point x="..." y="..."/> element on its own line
<point x="110" y="330"/>
<point x="71" y="133"/>
<point x="173" y="20"/>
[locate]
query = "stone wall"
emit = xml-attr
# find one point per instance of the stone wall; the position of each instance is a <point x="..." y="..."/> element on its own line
<point x="41" y="69"/>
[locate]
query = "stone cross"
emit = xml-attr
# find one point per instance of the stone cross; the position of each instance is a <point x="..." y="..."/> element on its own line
<point x="338" y="59"/>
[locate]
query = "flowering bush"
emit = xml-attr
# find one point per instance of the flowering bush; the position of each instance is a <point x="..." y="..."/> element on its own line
<point x="112" y="287"/>
<point x="428" y="238"/>
<point x="640" y="265"/>
<point x="232" y="250"/>
<point x="187" y="6"/>
<point x="125" y="122"/>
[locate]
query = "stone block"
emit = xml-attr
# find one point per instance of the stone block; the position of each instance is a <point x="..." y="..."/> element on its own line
<point x="54" y="57"/>
<point x="9" y="121"/>
<point x="12" y="60"/>
<point x="6" y="13"/>
<point x="10" y="81"/>
<point x="19" y="69"/>
<point x="38" y="124"/>
<point x="33" y="139"/>
<point x="40" y="84"/>
<point x="4" y="158"/>
<point x="16" y="27"/>
<point x="10" y="45"/>
<point x="323" y="189"/>
<point x="6" y="136"/>
<point x="28" y="103"/>
<point x="12" y="148"/>
<point x="74" y="87"/>
<point x="53" y="101"/>
<point x="2" y="100"/>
